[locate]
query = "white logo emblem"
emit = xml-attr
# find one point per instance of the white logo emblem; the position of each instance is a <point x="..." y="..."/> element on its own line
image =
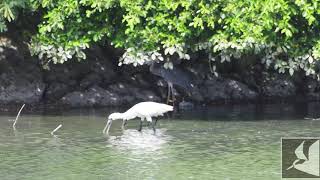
<point x="308" y="165"/>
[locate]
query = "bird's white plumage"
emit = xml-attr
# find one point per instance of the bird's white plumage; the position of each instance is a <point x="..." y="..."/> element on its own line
<point x="143" y="110"/>
<point x="146" y="109"/>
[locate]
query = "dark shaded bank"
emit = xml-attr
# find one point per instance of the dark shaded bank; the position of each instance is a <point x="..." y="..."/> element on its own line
<point x="98" y="81"/>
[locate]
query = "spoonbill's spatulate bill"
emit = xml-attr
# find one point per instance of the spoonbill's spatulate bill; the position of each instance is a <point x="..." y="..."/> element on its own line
<point x="143" y="110"/>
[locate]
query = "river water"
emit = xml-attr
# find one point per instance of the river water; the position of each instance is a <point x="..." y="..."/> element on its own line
<point x="220" y="142"/>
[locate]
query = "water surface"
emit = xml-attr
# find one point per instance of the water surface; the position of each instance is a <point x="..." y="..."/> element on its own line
<point x="223" y="142"/>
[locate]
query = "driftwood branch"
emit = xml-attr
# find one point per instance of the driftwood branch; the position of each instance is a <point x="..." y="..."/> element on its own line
<point x="314" y="119"/>
<point x="15" y="122"/>
<point x="56" y="129"/>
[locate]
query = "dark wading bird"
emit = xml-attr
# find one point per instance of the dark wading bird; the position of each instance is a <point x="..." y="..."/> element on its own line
<point x="176" y="76"/>
<point x="143" y="110"/>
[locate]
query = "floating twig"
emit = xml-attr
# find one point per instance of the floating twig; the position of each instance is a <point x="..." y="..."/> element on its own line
<point x="314" y="119"/>
<point x="14" y="124"/>
<point x="56" y="129"/>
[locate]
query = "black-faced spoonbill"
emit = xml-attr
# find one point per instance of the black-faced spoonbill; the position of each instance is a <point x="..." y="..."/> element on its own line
<point x="143" y="110"/>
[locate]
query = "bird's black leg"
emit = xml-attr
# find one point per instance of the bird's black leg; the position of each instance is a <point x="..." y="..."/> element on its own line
<point x="140" y="127"/>
<point x="155" y="121"/>
<point x="169" y="91"/>
<point x="170" y="97"/>
<point x="154" y="124"/>
<point x="124" y="122"/>
<point x="173" y="98"/>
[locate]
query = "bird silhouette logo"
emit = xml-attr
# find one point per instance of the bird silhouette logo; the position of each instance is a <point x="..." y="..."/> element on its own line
<point x="307" y="158"/>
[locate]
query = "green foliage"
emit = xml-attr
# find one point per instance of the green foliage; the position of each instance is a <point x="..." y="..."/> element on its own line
<point x="284" y="33"/>
<point x="9" y="11"/>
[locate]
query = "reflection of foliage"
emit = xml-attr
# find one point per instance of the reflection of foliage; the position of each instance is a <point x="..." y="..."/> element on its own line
<point x="285" y="34"/>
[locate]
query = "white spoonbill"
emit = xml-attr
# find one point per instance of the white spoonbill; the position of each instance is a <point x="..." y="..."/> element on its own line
<point x="143" y="110"/>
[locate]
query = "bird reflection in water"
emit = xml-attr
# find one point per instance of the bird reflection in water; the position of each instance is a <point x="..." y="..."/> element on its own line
<point x="140" y="142"/>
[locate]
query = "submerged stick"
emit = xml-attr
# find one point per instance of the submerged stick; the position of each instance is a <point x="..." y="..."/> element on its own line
<point x="14" y="124"/>
<point x="56" y="129"/>
<point x="314" y="119"/>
